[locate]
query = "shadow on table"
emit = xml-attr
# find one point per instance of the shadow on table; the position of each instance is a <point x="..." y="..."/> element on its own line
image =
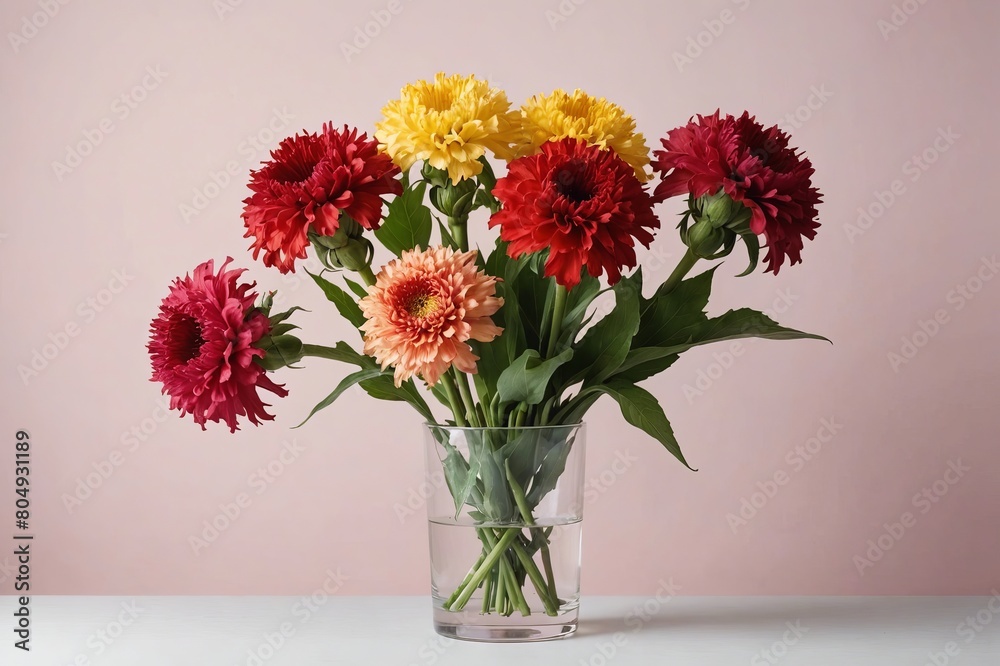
<point x="835" y="613"/>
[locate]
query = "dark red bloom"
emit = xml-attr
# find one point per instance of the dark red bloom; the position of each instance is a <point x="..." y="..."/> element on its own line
<point x="754" y="166"/>
<point x="309" y="180"/>
<point x="580" y="202"/>
<point x="202" y="348"/>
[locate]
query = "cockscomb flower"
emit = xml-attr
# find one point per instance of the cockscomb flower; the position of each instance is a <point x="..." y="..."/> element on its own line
<point x="754" y="167"/>
<point x="309" y="180"/>
<point x="203" y="345"/>
<point x="579" y="115"/>
<point x="580" y="202"/>
<point x="451" y="122"/>
<point x="424" y="308"/>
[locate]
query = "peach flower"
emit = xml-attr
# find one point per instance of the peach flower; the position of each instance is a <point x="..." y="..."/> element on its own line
<point x="424" y="308"/>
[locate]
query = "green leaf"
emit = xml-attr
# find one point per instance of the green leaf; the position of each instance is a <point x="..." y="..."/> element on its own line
<point x="671" y="318"/>
<point x="551" y="468"/>
<point x="747" y="323"/>
<point x="282" y="316"/>
<point x="384" y="387"/>
<point x="497" y="502"/>
<point x="407" y="222"/>
<point x="446" y="237"/>
<point x="344" y="302"/>
<point x="342" y="352"/>
<point x="359" y="290"/>
<point x="346" y="383"/>
<point x="458" y="474"/>
<point x="578" y="300"/>
<point x="641" y="409"/>
<point x="281" y="329"/>
<point x="527" y="378"/>
<point x="644" y="362"/>
<point x="606" y="344"/>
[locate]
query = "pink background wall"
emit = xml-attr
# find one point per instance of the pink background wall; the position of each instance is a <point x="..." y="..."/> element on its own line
<point x="864" y="101"/>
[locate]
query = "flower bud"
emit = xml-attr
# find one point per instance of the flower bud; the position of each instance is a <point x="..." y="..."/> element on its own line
<point x="704" y="239"/>
<point x="280" y="351"/>
<point x="455" y="201"/>
<point x="347" y="248"/>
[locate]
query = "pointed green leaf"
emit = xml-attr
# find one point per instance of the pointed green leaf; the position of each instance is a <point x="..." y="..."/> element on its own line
<point x="359" y="290"/>
<point x="343" y="301"/>
<point x="606" y="344"/>
<point x="384" y="387"/>
<point x="671" y="318"/>
<point x="346" y="383"/>
<point x="641" y="409"/>
<point x="527" y="378"/>
<point x="407" y="222"/>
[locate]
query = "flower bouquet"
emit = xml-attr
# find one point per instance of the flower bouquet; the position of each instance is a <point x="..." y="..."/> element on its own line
<point x="507" y="340"/>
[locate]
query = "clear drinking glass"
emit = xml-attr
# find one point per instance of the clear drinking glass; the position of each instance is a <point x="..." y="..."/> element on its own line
<point x="505" y="526"/>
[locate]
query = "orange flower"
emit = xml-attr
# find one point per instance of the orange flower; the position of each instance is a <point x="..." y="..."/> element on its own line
<point x="423" y="309"/>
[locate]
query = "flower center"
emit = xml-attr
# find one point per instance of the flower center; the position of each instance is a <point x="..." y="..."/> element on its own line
<point x="184" y="340"/>
<point x="571" y="181"/>
<point x="421" y="304"/>
<point x="439" y="100"/>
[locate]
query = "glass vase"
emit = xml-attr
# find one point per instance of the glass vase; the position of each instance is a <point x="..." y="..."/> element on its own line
<point x="504" y="519"/>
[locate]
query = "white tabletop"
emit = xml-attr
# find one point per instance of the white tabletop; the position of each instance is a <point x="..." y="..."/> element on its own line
<point x="386" y="631"/>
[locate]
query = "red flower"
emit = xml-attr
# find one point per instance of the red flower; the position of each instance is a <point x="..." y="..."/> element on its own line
<point x="202" y="348"/>
<point x="755" y="167"/>
<point x="309" y="180"/>
<point x="582" y="203"/>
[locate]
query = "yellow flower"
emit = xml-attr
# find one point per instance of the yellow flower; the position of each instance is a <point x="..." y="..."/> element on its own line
<point x="450" y="122"/>
<point x="596" y="121"/>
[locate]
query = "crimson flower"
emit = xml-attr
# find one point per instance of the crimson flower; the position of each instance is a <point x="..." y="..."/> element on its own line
<point x="754" y="166"/>
<point x="583" y="204"/>
<point x="306" y="184"/>
<point x="202" y="348"/>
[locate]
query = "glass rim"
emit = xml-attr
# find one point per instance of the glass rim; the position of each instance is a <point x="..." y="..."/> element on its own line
<point x="554" y="426"/>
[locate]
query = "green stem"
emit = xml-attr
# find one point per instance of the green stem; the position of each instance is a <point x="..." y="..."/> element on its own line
<point x="460" y="232"/>
<point x="686" y="263"/>
<point x="514" y="593"/>
<point x="484" y="568"/>
<point x="558" y="310"/>
<point x="468" y="577"/>
<point x="367" y="275"/>
<point x="456" y="406"/>
<point x="550" y="577"/>
<point x="535" y="575"/>
<point x="470" y="404"/>
<point x="525" y="510"/>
